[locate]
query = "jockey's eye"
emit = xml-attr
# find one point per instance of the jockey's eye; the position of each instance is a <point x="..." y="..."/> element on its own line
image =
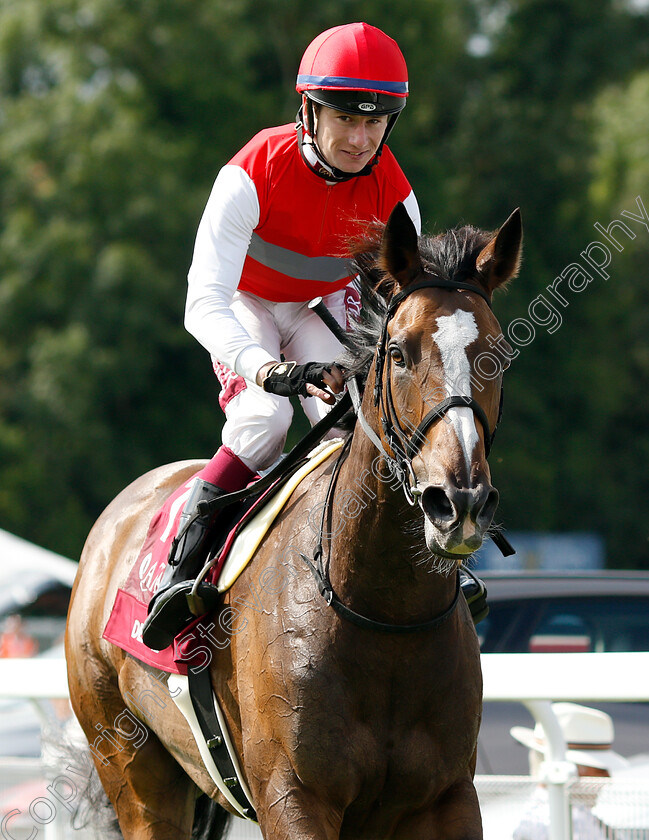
<point x="396" y="355"/>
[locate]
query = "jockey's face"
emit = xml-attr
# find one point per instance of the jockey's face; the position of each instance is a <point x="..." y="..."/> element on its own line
<point x="348" y="141"/>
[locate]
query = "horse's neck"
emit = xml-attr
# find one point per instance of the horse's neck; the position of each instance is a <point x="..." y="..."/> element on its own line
<point x="378" y="541"/>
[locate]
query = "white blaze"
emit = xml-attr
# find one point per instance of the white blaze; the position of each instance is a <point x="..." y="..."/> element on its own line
<point x="454" y="334"/>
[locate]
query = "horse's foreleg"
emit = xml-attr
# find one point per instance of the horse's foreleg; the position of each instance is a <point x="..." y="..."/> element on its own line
<point x="457" y="815"/>
<point x="289" y="811"/>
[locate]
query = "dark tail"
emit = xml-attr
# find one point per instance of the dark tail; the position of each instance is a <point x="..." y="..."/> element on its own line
<point x="211" y="822"/>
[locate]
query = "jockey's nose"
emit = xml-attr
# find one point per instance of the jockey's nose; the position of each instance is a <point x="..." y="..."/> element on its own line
<point x="447" y="506"/>
<point x="358" y="134"/>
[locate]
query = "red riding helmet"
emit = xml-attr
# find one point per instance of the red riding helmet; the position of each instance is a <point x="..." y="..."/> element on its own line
<point x="355" y="68"/>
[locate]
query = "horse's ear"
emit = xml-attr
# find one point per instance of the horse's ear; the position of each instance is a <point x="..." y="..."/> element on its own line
<point x="500" y="260"/>
<point x="399" y="254"/>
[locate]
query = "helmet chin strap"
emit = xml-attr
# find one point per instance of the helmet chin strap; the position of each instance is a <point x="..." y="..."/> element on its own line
<point x="314" y="158"/>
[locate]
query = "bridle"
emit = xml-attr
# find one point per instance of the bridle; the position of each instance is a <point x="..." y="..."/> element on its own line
<point x="406" y="444"/>
<point x="404" y="448"/>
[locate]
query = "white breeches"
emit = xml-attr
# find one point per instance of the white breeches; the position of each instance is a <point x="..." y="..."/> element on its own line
<point x="256" y="422"/>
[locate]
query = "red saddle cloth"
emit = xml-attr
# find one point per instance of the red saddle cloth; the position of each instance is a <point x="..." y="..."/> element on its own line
<point x="124" y="626"/>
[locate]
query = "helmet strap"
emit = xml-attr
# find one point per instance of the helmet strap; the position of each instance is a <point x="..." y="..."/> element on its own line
<point x="308" y="116"/>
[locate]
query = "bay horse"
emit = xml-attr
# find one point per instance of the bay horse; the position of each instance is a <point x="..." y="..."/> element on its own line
<point x="344" y="731"/>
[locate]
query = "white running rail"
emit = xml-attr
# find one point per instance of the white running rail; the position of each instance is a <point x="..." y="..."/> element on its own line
<point x="534" y="679"/>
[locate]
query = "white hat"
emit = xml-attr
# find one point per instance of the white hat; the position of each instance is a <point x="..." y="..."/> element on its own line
<point x="588" y="733"/>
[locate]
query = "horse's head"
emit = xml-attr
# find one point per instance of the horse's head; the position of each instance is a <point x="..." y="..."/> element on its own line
<point x="437" y="379"/>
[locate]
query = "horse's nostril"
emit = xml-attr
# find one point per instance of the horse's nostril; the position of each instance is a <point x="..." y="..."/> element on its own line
<point x="488" y="509"/>
<point x="437" y="505"/>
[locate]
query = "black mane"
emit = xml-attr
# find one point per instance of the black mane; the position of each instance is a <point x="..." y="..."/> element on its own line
<point x="449" y="256"/>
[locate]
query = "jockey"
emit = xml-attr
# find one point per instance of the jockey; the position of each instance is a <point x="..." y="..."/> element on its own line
<point x="273" y="236"/>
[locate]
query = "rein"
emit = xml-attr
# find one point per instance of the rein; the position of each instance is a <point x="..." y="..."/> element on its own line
<point x="321" y="575"/>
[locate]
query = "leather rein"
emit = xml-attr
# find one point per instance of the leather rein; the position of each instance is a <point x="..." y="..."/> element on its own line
<point x="405" y="447"/>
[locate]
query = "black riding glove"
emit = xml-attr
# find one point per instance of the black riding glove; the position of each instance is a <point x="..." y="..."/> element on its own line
<point x="288" y="378"/>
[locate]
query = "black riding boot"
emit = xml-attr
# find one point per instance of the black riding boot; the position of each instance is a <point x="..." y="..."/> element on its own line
<point x="169" y="609"/>
<point x="475" y="593"/>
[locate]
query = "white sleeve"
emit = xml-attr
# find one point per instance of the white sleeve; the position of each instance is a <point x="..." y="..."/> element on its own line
<point x="411" y="205"/>
<point x="222" y="240"/>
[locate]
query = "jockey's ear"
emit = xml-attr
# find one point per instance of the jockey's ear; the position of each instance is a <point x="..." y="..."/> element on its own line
<point x="500" y="259"/>
<point x="399" y="254"/>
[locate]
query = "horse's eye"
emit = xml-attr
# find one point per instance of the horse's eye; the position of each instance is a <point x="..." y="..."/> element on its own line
<point x="396" y="355"/>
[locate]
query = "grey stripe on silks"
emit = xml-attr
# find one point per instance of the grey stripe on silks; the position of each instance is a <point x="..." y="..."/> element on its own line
<point x="298" y="266"/>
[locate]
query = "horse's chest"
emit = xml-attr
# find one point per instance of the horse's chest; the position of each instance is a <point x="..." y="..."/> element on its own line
<point x="370" y="722"/>
<point x="385" y="732"/>
<point x="384" y="767"/>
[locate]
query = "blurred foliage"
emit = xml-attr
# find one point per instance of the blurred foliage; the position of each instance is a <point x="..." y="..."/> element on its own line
<point x="115" y="116"/>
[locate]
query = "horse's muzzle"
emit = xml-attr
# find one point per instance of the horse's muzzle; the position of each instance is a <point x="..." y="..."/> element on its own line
<point x="457" y="518"/>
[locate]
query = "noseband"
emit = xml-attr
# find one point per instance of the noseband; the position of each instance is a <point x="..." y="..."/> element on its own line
<point x="406" y="444"/>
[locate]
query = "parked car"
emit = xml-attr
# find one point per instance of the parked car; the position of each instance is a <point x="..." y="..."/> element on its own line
<point x="549" y="612"/>
<point x="541" y="612"/>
